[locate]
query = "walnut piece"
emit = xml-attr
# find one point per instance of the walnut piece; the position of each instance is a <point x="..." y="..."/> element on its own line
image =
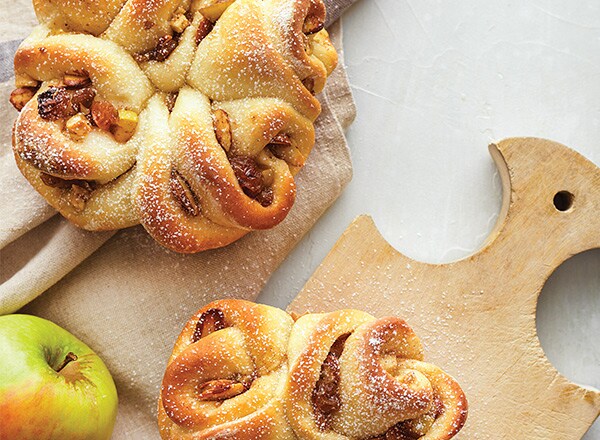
<point x="78" y="196"/>
<point x="76" y="80"/>
<point x="79" y="191"/>
<point x="104" y="114"/>
<point x="181" y="191"/>
<point x="248" y="174"/>
<point x="209" y="322"/>
<point x="21" y="96"/>
<point x="179" y="23"/>
<point x="222" y="129"/>
<point x="220" y="389"/>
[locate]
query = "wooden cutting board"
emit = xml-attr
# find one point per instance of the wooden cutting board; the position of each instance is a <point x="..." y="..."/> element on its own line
<point x="476" y="316"/>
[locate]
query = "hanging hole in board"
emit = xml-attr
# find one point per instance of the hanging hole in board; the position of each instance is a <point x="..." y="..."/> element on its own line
<point x="563" y="200"/>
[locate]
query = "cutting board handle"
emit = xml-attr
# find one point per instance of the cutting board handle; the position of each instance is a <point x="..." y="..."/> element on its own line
<point x="477" y="315"/>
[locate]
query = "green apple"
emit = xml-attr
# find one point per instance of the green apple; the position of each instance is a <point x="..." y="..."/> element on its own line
<point x="52" y="385"/>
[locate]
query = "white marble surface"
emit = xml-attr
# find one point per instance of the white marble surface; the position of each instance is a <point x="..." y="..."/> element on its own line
<point x="436" y="81"/>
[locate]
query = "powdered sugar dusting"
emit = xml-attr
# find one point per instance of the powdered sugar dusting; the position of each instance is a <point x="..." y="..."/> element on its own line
<point x="343" y="375"/>
<point x="247" y="64"/>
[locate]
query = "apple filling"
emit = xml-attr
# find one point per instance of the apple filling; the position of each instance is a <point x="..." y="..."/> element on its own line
<point x="282" y="148"/>
<point x="255" y="181"/>
<point x="180" y="21"/>
<point x="75" y="103"/>
<point x="312" y="25"/>
<point x="213" y="9"/>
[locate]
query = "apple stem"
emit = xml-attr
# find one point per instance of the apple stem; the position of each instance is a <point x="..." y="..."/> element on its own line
<point x="69" y="358"/>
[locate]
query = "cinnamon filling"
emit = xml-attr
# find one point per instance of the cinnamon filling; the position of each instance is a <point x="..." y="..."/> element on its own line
<point x="218" y="390"/>
<point x="255" y="181"/>
<point x="325" y="397"/>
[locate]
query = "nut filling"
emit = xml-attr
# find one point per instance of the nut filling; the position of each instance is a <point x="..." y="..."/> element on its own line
<point x="210" y="321"/>
<point x="181" y="191"/>
<point x="21" y="96"/>
<point x="163" y="49"/>
<point x="220" y="389"/>
<point x="282" y="148"/>
<point x="250" y="178"/>
<point x="415" y="428"/>
<point x="79" y="191"/>
<point x="61" y="103"/>
<point x="325" y="396"/>
<point x="204" y="28"/>
<point x="75" y="102"/>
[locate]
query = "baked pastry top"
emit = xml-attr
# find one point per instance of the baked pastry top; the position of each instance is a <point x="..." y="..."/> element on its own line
<point x="189" y="117"/>
<point x="241" y="370"/>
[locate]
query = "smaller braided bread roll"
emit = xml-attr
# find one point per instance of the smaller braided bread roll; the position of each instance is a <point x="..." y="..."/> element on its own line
<point x="353" y="376"/>
<point x="239" y="370"/>
<point x="226" y="375"/>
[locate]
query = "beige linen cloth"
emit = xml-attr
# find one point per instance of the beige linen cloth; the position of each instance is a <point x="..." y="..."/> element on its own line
<point x="122" y="293"/>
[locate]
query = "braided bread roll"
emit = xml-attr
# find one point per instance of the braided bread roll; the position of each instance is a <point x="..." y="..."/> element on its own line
<point x="189" y="117"/>
<point x="353" y="376"/>
<point x="350" y="376"/>
<point x="89" y="181"/>
<point x="226" y="375"/>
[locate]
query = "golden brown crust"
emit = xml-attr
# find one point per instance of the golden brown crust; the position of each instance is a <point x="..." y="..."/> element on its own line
<point x="351" y="376"/>
<point x="185" y="141"/>
<point x="140" y="23"/>
<point x="312" y="57"/>
<point x="247" y="347"/>
<point x="195" y="183"/>
<point x="109" y="207"/>
<point x="248" y="65"/>
<point x="85" y="16"/>
<point x="382" y="380"/>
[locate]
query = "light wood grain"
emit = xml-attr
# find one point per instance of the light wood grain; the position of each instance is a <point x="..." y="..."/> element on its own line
<point x="476" y="316"/>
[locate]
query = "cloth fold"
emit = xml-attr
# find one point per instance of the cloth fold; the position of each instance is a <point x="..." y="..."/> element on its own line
<point x="121" y="292"/>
